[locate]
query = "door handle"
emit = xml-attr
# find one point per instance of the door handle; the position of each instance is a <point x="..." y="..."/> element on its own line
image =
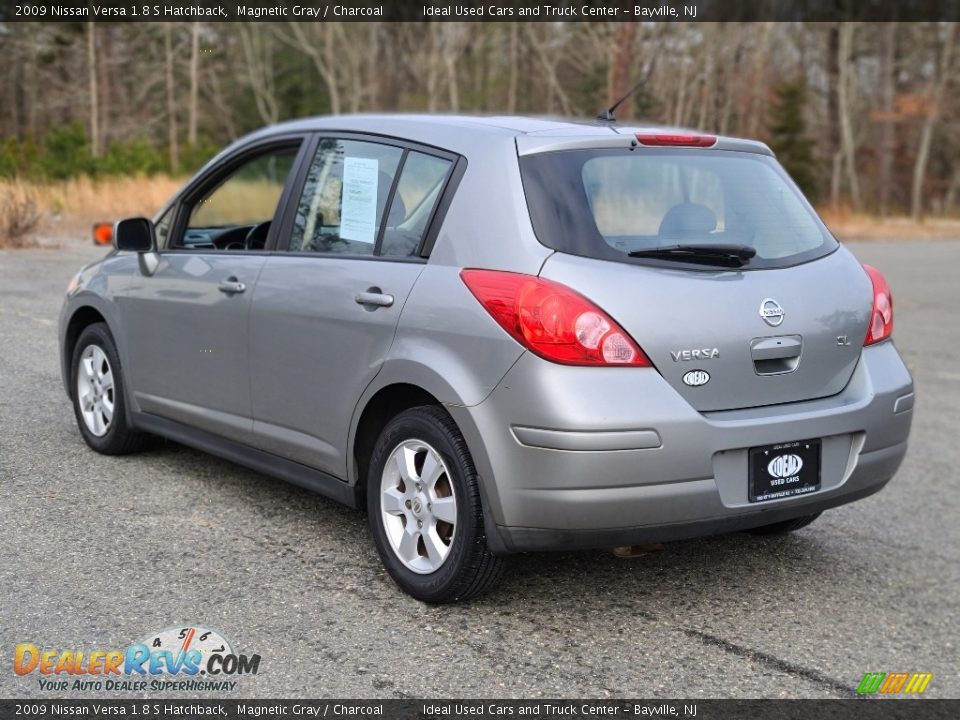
<point x="231" y="286"/>
<point x="373" y="299"/>
<point x="776" y="355"/>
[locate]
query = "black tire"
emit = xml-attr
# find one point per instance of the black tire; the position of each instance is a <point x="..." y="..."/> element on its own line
<point x="470" y="569"/>
<point x="784" y="527"/>
<point x="120" y="438"/>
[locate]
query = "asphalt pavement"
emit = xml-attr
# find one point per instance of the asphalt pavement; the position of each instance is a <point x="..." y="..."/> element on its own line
<point x="100" y="552"/>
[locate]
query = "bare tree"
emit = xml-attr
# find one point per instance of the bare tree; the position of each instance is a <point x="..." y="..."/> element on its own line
<point x="258" y="53"/>
<point x="548" y="64"/>
<point x="832" y="123"/>
<point x="221" y="103"/>
<point x="194" y="71"/>
<point x="433" y="66"/>
<point x="173" y="145"/>
<point x="757" y="78"/>
<point x="94" y="89"/>
<point x="324" y="62"/>
<point x="717" y="77"/>
<point x="844" y="82"/>
<point x="712" y="44"/>
<point x="620" y="78"/>
<point x="453" y="39"/>
<point x="514" y="68"/>
<point x="351" y="71"/>
<point x="680" y="109"/>
<point x="888" y="50"/>
<point x="106" y="91"/>
<point x="938" y="83"/>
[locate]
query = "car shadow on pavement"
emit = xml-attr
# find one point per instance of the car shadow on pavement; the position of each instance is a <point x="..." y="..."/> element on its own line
<point x="296" y="525"/>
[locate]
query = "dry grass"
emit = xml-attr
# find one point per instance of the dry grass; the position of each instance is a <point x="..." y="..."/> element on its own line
<point x="31" y="212"/>
<point x="71" y="207"/>
<point x="238" y="203"/>
<point x="847" y="225"/>
<point x="20" y="214"/>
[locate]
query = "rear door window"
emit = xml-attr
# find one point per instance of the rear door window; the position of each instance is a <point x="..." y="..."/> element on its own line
<point x="344" y="197"/>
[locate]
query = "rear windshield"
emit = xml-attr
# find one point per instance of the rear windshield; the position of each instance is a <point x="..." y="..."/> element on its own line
<point x="605" y="203"/>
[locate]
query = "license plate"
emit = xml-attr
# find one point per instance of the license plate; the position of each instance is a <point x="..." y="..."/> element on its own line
<point x="784" y="470"/>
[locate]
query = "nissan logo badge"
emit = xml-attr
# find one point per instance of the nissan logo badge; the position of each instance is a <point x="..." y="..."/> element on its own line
<point x="771" y="312"/>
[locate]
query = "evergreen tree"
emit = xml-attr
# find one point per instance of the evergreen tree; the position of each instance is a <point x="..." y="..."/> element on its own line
<point x="788" y="135"/>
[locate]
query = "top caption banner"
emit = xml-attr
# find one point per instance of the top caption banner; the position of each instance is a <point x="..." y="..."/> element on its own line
<point x="487" y="11"/>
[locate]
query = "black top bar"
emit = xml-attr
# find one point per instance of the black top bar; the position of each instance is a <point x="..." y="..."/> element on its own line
<point x="479" y="10"/>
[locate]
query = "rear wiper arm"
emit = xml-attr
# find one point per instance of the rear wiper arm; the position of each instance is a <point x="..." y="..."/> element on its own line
<point x="707" y="254"/>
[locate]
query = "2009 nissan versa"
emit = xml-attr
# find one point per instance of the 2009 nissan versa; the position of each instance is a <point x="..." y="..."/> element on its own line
<point x="499" y="335"/>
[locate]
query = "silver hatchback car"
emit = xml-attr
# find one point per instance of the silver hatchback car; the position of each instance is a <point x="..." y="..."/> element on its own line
<point x="499" y="335"/>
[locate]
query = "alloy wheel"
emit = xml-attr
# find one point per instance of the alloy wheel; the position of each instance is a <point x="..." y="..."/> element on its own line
<point x="95" y="390"/>
<point x="418" y="506"/>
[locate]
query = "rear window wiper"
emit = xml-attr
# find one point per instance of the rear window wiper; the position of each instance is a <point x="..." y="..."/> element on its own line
<point x="707" y="254"/>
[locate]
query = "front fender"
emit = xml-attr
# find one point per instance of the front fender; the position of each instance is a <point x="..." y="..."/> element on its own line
<point x="71" y="306"/>
<point x="96" y="285"/>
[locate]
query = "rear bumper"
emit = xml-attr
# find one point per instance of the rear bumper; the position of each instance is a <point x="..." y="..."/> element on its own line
<point x="880" y="464"/>
<point x="597" y="457"/>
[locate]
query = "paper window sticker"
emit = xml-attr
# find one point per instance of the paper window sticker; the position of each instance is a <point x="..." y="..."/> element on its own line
<point x="358" y="210"/>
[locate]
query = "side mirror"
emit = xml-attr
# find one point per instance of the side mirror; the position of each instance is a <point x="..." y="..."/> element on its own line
<point x="134" y="234"/>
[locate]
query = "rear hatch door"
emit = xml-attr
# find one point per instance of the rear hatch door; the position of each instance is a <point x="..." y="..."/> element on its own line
<point x="688" y="321"/>
<point x="781" y="322"/>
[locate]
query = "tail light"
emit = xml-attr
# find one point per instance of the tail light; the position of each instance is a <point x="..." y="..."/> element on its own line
<point x="881" y="317"/>
<point x="552" y="320"/>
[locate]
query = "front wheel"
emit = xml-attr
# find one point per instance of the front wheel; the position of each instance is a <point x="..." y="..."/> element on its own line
<point x="98" y="395"/>
<point x="423" y="504"/>
<point x="787" y="526"/>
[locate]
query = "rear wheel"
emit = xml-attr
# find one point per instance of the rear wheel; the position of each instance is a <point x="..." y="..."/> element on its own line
<point x="98" y="399"/>
<point x="782" y="528"/>
<point x="425" y="516"/>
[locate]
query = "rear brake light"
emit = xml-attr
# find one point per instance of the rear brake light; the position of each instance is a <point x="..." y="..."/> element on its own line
<point x="673" y="140"/>
<point x="881" y="316"/>
<point x="552" y="320"/>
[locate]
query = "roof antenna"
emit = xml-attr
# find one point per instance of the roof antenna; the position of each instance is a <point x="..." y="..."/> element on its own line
<point x="607" y="115"/>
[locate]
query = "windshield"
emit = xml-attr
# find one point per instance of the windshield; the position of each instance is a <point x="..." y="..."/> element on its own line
<point x="607" y="203"/>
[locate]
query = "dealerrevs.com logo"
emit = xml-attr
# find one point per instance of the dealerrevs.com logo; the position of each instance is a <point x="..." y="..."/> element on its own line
<point x="190" y="658"/>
